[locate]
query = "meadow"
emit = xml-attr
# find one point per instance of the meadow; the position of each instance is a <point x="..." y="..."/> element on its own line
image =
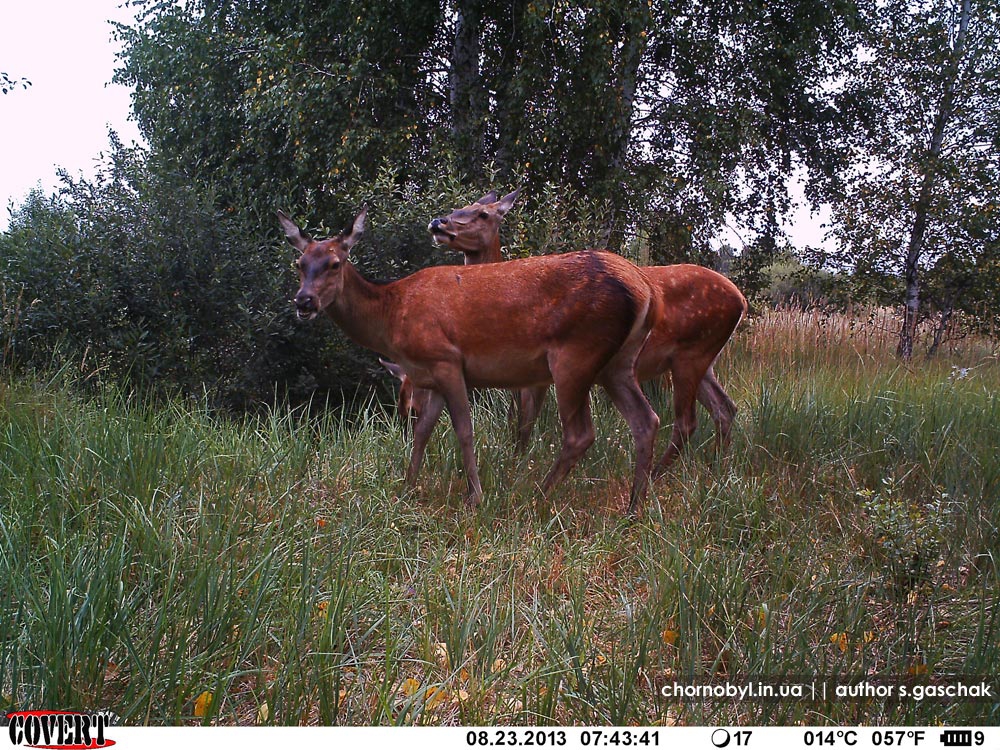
<point x="178" y="566"/>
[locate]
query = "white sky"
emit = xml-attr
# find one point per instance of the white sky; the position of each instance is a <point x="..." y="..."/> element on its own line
<point x="64" y="48"/>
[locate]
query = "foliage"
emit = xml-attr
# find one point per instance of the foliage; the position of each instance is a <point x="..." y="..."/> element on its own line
<point x="909" y="532"/>
<point x="285" y="101"/>
<point x="139" y="277"/>
<point x="919" y="199"/>
<point x="642" y="107"/>
<point x="793" y="283"/>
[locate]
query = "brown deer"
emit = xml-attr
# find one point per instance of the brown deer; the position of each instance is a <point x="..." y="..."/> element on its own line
<point x="572" y="320"/>
<point x="701" y="311"/>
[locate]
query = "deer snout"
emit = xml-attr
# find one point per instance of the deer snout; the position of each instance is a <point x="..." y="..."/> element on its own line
<point x="306" y="306"/>
<point x="439" y="229"/>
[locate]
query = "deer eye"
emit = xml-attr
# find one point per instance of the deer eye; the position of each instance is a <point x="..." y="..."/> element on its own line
<point x="483" y="215"/>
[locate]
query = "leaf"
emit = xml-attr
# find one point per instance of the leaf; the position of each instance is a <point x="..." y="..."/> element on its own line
<point x="434" y="697"/>
<point x="670" y="636"/>
<point x="409" y="686"/>
<point x="263" y="713"/>
<point x="202" y="704"/>
<point x="840" y="641"/>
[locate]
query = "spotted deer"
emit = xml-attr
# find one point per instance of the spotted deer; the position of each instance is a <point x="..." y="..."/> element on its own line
<point x="701" y="310"/>
<point x="571" y="320"/>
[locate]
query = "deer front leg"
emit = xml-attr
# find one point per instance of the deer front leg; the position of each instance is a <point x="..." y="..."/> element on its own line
<point x="450" y="382"/>
<point x="528" y="405"/>
<point x="426" y="420"/>
<point x="573" y="373"/>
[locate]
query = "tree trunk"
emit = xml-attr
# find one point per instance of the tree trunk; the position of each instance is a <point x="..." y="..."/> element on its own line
<point x="628" y="76"/>
<point x="915" y="246"/>
<point x="468" y="98"/>
<point x="942" y="329"/>
<point x="511" y="81"/>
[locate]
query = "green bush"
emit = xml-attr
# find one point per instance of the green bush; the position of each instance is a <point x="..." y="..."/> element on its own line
<point x="139" y="277"/>
<point x="146" y="277"/>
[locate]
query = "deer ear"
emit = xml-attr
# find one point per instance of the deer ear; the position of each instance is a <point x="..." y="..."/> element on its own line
<point x="507" y="201"/>
<point x="395" y="370"/>
<point x="353" y="234"/>
<point x="299" y="239"/>
<point x="490" y="197"/>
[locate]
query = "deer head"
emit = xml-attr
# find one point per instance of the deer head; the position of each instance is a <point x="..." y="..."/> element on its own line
<point x="321" y="264"/>
<point x="474" y="229"/>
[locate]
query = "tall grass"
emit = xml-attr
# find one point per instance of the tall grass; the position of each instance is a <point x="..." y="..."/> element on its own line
<point x="179" y="567"/>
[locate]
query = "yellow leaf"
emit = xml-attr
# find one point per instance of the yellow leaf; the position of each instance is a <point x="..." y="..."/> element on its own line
<point x="434" y="697"/>
<point x="498" y="666"/>
<point x="322" y="606"/>
<point x="670" y="636"/>
<point x="263" y="713"/>
<point x="918" y="669"/>
<point x="202" y="703"/>
<point x="409" y="686"/>
<point x="869" y="636"/>
<point x="463" y="695"/>
<point x="840" y="641"/>
<point x="463" y="674"/>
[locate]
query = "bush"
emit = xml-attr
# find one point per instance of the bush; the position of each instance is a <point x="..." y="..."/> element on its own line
<point x="138" y="277"/>
<point x="145" y="277"/>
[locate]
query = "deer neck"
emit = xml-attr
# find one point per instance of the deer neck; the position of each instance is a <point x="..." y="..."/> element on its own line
<point x="487" y="253"/>
<point x="362" y="310"/>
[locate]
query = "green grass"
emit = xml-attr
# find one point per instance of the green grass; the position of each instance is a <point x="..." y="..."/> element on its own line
<point x="152" y="553"/>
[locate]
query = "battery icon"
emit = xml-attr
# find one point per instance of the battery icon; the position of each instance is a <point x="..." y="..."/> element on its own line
<point x="957" y="738"/>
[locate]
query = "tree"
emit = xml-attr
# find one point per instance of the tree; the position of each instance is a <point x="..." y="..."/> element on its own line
<point x="283" y="101"/>
<point x="922" y="181"/>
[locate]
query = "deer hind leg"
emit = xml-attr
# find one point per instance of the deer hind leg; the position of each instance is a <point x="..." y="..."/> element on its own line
<point x="422" y="430"/>
<point x="528" y="405"/>
<point x="642" y="421"/>
<point x="714" y="397"/>
<point x="686" y="375"/>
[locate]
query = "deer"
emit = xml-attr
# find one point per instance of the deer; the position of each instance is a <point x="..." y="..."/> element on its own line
<point x="573" y="320"/>
<point x="701" y="311"/>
